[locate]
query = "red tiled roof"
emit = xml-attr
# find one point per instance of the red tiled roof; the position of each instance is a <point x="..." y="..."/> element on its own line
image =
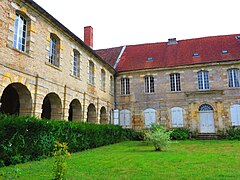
<point x="109" y="55"/>
<point x="135" y="57"/>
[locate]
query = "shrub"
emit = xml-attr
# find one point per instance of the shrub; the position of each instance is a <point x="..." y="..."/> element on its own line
<point x="180" y="134"/>
<point x="28" y="138"/>
<point x="159" y="136"/>
<point x="60" y="166"/>
<point x="233" y="133"/>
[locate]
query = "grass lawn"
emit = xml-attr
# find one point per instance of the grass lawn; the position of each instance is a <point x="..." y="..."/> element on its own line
<point x="137" y="160"/>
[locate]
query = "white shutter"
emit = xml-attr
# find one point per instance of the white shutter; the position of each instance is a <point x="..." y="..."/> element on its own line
<point x="122" y="114"/>
<point x="235" y="114"/>
<point x="116" y="117"/>
<point x="127" y="118"/>
<point x="177" y="117"/>
<point x="150" y="117"/>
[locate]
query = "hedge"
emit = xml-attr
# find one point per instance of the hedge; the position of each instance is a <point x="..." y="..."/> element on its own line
<point x="180" y="134"/>
<point x="25" y="139"/>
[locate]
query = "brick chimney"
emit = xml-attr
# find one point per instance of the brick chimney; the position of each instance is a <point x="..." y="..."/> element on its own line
<point x="88" y="36"/>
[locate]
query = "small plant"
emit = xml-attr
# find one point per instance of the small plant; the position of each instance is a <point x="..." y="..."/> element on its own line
<point x="159" y="136"/>
<point x="61" y="154"/>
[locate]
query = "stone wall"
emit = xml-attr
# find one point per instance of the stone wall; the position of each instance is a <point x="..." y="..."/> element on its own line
<point x="190" y="98"/>
<point x="31" y="70"/>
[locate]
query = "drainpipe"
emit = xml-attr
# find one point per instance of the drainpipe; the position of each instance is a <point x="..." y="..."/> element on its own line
<point x="64" y="100"/>
<point x="35" y="96"/>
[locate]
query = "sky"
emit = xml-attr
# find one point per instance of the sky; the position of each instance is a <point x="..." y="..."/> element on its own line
<point x="128" y="22"/>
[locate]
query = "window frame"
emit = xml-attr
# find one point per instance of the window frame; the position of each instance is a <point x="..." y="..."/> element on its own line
<point x="111" y="88"/>
<point x="91" y="73"/>
<point x="233" y="78"/>
<point x="20" y="33"/>
<point x="203" y="80"/>
<point x="125" y="86"/>
<point x="54" y="50"/>
<point x="103" y="79"/>
<point x="149" y="84"/>
<point x="175" y="82"/>
<point x="76" y="63"/>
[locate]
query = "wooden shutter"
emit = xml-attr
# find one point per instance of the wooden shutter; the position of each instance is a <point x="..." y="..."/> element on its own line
<point x="177" y="117"/>
<point x="235" y="114"/>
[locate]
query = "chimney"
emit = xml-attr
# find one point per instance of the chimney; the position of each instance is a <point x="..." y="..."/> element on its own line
<point x="172" y="41"/>
<point x="88" y="36"/>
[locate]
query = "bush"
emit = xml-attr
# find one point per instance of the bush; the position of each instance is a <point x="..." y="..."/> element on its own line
<point x="60" y="166"/>
<point x="180" y="134"/>
<point x="159" y="136"/>
<point x="28" y="138"/>
<point x="233" y="133"/>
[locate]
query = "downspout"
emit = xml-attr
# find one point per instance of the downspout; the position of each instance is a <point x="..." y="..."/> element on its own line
<point x="35" y="96"/>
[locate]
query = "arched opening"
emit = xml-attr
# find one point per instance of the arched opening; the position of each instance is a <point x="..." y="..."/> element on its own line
<point x="51" y="107"/>
<point x="91" y="114"/>
<point x="149" y="117"/>
<point x="16" y="99"/>
<point x="206" y="119"/>
<point x="103" y="116"/>
<point x="75" y="111"/>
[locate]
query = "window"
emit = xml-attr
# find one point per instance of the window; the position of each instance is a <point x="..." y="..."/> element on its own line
<point x="91" y="72"/>
<point x="103" y="77"/>
<point x="111" y="84"/>
<point x="203" y="80"/>
<point x="224" y="51"/>
<point x="20" y="33"/>
<point x="233" y="79"/>
<point x="149" y="84"/>
<point x="175" y="82"/>
<point x="125" y="118"/>
<point x="235" y="114"/>
<point x="76" y="63"/>
<point x="150" y="117"/>
<point x="125" y="89"/>
<point x="54" y="50"/>
<point x="177" y="117"/>
<point x="195" y="54"/>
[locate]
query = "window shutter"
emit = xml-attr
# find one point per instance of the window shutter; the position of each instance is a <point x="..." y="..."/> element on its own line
<point x="177" y="117"/>
<point x="235" y="114"/>
<point x="116" y="117"/>
<point x="122" y="118"/>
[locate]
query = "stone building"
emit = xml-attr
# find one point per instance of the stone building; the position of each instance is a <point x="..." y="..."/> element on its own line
<point x="47" y="71"/>
<point x="189" y="83"/>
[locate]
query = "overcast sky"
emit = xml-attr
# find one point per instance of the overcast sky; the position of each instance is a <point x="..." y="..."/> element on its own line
<point x="126" y="22"/>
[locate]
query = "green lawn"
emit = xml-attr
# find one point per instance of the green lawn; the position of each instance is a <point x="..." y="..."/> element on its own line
<point x="137" y="160"/>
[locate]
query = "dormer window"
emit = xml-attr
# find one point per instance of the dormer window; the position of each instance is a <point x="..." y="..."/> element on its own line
<point x="237" y="37"/>
<point x="195" y="54"/>
<point x="224" y="51"/>
<point x="150" y="59"/>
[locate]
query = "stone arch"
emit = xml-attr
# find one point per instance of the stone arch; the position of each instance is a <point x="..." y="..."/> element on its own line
<point x="16" y="99"/>
<point x="75" y="111"/>
<point x="205" y="107"/>
<point x="206" y="115"/>
<point x="52" y="107"/>
<point x="91" y="114"/>
<point x="103" y="116"/>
